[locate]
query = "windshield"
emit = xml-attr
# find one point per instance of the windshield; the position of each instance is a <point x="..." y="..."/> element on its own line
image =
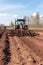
<point x="20" y="22"/>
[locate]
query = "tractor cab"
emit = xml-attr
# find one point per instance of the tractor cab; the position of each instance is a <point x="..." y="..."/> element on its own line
<point x="20" y="24"/>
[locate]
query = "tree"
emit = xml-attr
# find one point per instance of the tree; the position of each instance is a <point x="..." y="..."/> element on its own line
<point x="25" y="17"/>
<point x="12" y="24"/>
<point x="1" y="26"/>
<point x="36" y="20"/>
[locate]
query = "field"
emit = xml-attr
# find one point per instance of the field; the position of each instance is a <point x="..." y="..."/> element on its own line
<point x="24" y="50"/>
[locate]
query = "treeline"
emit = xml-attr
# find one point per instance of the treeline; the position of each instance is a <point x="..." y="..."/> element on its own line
<point x="34" y="21"/>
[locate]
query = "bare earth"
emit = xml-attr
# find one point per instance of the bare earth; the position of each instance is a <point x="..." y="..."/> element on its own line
<point x="24" y="50"/>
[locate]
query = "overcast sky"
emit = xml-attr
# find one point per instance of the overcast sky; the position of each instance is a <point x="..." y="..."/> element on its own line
<point x="11" y="9"/>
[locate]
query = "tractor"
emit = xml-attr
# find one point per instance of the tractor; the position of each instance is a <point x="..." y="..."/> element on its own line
<point x="21" y="29"/>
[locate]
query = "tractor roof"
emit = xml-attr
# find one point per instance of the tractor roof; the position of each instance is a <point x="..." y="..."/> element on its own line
<point x="20" y="19"/>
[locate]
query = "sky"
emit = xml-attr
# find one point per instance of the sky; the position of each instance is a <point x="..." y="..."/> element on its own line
<point x="12" y="9"/>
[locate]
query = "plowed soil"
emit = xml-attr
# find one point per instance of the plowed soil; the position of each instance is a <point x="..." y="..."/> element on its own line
<point x="24" y="50"/>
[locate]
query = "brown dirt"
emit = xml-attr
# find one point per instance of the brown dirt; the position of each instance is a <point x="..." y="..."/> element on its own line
<point x="24" y="50"/>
